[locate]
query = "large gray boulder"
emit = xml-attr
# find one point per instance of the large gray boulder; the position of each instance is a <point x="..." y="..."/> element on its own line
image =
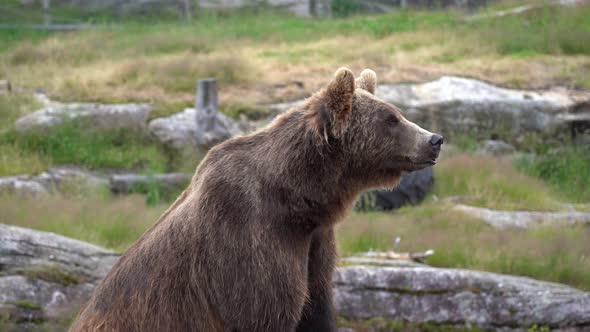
<point x="524" y="219"/>
<point x="180" y="130"/>
<point x="422" y="294"/>
<point x="126" y="183"/>
<point x="100" y="116"/>
<point x="51" y="181"/>
<point x="44" y="275"/>
<point x="455" y="105"/>
<point x="458" y="105"/>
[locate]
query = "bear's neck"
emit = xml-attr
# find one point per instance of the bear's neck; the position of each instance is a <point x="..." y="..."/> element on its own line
<point x="296" y="159"/>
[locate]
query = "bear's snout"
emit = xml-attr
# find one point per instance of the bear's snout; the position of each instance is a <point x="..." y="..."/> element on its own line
<point x="436" y="141"/>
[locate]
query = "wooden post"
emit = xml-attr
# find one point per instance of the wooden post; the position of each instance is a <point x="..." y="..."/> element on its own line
<point x="404" y="4"/>
<point x="206" y="103"/>
<point x="313" y="10"/>
<point x="327" y="8"/>
<point x="187" y="10"/>
<point x="46" y="14"/>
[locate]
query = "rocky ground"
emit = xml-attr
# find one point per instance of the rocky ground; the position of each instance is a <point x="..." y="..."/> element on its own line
<point x="44" y="277"/>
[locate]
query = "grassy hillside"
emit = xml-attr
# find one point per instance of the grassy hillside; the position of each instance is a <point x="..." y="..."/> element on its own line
<point x="258" y="55"/>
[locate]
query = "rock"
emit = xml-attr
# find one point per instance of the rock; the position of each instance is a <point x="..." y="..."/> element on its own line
<point x="101" y="116"/>
<point x="44" y="100"/>
<point x="50" y="181"/>
<point x="457" y="105"/>
<point x="21" y="185"/>
<point x="5" y="86"/>
<point x="125" y="183"/>
<point x="58" y="178"/>
<point x="412" y="189"/>
<point x="179" y="130"/>
<point x="422" y="294"/>
<point x="496" y="147"/>
<point x="45" y="275"/>
<point x="283" y="107"/>
<point x="523" y="219"/>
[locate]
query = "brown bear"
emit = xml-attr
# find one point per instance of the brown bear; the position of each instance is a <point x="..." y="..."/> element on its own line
<point x="249" y="245"/>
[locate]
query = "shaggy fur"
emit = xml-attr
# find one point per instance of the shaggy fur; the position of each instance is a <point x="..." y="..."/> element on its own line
<point x="249" y="245"/>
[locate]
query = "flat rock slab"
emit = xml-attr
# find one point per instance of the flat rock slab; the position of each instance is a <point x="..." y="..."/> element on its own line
<point x="180" y="130"/>
<point x="422" y="294"/>
<point x="55" y="178"/>
<point x="524" y="219"/>
<point x="101" y="116"/>
<point x="45" y="275"/>
<point x="125" y="183"/>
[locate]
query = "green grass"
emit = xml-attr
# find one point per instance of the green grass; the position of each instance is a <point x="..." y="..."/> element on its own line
<point x="566" y="170"/>
<point x="72" y="143"/>
<point x="50" y="274"/>
<point x="27" y="305"/>
<point x="13" y="106"/>
<point x="14" y="160"/>
<point x="112" y="222"/>
<point x="546" y="30"/>
<point x="491" y="182"/>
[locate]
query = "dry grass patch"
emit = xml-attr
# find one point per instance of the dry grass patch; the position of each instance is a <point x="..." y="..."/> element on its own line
<point x="114" y="223"/>
<point x="14" y="161"/>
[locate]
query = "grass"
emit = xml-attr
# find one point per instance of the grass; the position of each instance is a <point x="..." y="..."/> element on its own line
<point x="14" y="161"/>
<point x="71" y="143"/>
<point x="566" y="170"/>
<point x="13" y="106"/>
<point x="551" y="253"/>
<point x="27" y="305"/>
<point x="545" y="30"/>
<point x="51" y="274"/>
<point x="256" y="53"/>
<point x="491" y="182"/>
<point x="112" y="222"/>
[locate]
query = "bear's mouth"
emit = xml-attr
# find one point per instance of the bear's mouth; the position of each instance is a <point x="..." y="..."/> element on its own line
<point x="410" y="165"/>
<point x="420" y="164"/>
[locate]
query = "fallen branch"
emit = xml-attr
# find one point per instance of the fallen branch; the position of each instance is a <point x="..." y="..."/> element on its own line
<point x="406" y="256"/>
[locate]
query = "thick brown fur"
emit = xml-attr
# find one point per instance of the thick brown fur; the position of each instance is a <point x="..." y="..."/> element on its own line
<point x="249" y="245"/>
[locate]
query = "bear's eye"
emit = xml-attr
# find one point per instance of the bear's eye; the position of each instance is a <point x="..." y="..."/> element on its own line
<point x="391" y="119"/>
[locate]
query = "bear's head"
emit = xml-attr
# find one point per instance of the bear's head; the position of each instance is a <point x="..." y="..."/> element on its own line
<point x="375" y="141"/>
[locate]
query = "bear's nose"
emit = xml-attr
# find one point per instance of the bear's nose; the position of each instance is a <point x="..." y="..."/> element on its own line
<point x="436" y="140"/>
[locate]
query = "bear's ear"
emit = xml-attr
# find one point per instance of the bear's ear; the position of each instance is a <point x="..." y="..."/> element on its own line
<point x="333" y="105"/>
<point x="367" y="81"/>
<point x="339" y="92"/>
